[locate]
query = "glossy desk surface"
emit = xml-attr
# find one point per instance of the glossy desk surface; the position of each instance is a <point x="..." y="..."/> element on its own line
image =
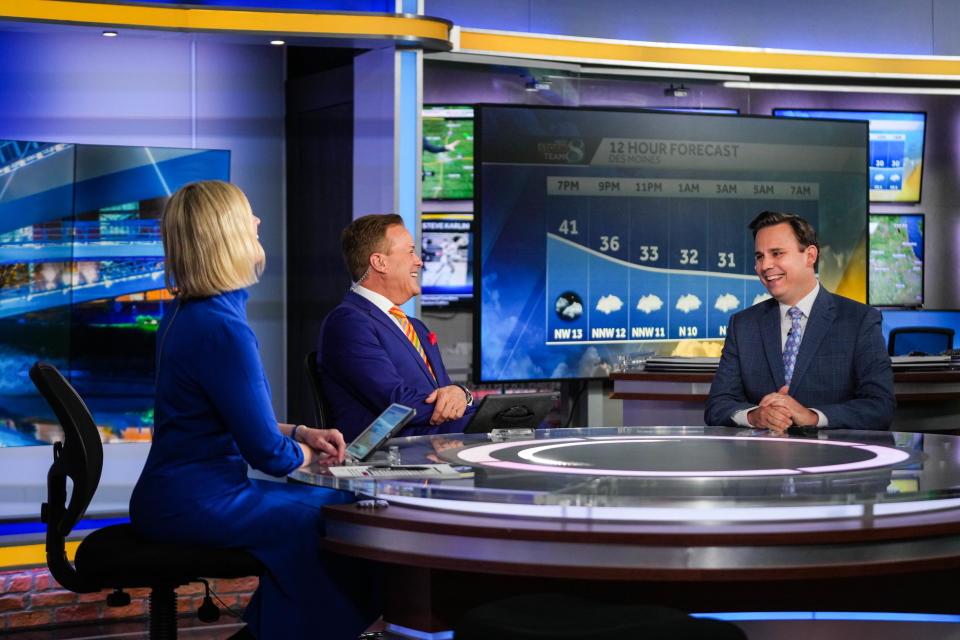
<point x="676" y="467"/>
<point x="690" y="516"/>
<point x="888" y="498"/>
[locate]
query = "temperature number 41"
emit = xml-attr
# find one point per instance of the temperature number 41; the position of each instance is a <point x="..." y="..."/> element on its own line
<point x="568" y="227"/>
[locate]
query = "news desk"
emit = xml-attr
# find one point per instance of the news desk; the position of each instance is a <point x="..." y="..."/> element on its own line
<point x="700" y="518"/>
<point x="926" y="400"/>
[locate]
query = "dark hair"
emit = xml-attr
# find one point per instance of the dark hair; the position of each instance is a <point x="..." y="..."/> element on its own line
<point x="362" y="238"/>
<point x="802" y="229"/>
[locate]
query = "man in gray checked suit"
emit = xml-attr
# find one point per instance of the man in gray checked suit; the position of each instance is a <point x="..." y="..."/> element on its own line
<point x="807" y="357"/>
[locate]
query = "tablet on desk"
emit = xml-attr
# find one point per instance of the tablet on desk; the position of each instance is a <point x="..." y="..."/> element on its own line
<point x="511" y="411"/>
<point x="383" y="427"/>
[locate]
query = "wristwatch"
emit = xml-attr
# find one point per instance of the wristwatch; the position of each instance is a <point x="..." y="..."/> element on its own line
<point x="467" y="393"/>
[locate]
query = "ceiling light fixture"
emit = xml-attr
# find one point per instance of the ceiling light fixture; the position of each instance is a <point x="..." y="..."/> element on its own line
<point x="278" y="43"/>
<point x="109" y="34"/>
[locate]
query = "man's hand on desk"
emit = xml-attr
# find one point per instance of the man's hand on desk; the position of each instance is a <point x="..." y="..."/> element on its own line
<point x="778" y="411"/>
<point x="449" y="404"/>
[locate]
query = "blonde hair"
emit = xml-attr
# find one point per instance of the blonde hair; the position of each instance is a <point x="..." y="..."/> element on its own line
<point x="209" y="240"/>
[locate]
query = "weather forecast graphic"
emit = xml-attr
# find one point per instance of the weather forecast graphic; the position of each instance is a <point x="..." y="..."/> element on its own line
<point x="605" y="234"/>
<point x="662" y="261"/>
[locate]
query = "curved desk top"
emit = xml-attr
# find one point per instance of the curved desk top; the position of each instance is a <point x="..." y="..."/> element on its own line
<point x="676" y="503"/>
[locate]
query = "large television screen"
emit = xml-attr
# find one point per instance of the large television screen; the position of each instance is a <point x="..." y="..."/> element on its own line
<point x="896" y="149"/>
<point x="447" y="152"/>
<point x="446" y="248"/>
<point x="81" y="277"/>
<point x="896" y="260"/>
<point x="604" y="234"/>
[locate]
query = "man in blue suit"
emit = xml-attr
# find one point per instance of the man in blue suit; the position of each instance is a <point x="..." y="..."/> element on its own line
<point x="370" y="353"/>
<point x="807" y="357"/>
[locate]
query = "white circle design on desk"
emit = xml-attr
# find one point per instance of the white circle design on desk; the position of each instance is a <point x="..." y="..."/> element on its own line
<point x="573" y="455"/>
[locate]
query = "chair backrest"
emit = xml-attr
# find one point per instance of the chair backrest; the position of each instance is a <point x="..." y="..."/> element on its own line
<point x="904" y="340"/>
<point x="80" y="458"/>
<point x="321" y="408"/>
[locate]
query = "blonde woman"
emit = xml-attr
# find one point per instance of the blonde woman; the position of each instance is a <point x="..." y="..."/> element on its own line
<point x="213" y="417"/>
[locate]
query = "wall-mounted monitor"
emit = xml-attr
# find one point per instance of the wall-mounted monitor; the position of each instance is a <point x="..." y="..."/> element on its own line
<point x="447" y="152"/>
<point x="896" y="259"/>
<point x="446" y="246"/>
<point x="896" y="149"/>
<point x="605" y="233"/>
<point x="81" y="276"/>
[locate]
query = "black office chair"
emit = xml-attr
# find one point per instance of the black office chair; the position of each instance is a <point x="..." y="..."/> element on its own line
<point x="115" y="557"/>
<point x="321" y="408"/>
<point x="932" y="340"/>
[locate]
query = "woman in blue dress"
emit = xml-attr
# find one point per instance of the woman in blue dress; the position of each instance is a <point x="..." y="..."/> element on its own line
<point x="213" y="417"/>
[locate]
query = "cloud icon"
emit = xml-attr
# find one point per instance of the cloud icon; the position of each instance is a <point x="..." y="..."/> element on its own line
<point x="572" y="310"/>
<point x="688" y="303"/>
<point x="727" y="302"/>
<point x="761" y="297"/>
<point x="609" y="304"/>
<point x="649" y="304"/>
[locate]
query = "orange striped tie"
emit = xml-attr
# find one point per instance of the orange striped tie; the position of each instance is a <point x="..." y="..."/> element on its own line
<point x="408" y="329"/>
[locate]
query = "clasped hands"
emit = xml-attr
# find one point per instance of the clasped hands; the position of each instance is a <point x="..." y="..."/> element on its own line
<point x="449" y="403"/>
<point x="327" y="445"/>
<point x="779" y="411"/>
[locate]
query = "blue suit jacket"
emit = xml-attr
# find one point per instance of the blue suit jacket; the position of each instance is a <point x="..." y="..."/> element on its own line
<point x="366" y="362"/>
<point x="842" y="366"/>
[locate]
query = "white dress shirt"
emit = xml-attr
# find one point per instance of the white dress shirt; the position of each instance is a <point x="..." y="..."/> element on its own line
<point x="380" y="302"/>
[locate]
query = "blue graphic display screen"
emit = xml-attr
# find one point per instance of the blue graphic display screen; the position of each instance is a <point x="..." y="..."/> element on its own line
<point x="896" y="149"/>
<point x="605" y="234"/>
<point x="81" y="277"/>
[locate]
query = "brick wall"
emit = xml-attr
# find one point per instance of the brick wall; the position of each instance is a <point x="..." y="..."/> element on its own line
<point x="32" y="598"/>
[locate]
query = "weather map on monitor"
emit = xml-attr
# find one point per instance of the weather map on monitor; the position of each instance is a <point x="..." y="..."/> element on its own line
<point x="605" y="233"/>
<point x="447" y="153"/>
<point x="896" y="149"/>
<point x="896" y="260"/>
<point x="446" y="245"/>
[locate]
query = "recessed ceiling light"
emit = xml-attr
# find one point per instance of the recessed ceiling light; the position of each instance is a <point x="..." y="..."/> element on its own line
<point x="277" y="42"/>
<point x="109" y="34"/>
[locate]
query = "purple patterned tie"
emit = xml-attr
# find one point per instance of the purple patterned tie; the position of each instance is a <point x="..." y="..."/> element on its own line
<point x="793" y="343"/>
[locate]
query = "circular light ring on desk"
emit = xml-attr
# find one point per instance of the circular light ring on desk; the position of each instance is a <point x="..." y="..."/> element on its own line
<point x="532" y="456"/>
